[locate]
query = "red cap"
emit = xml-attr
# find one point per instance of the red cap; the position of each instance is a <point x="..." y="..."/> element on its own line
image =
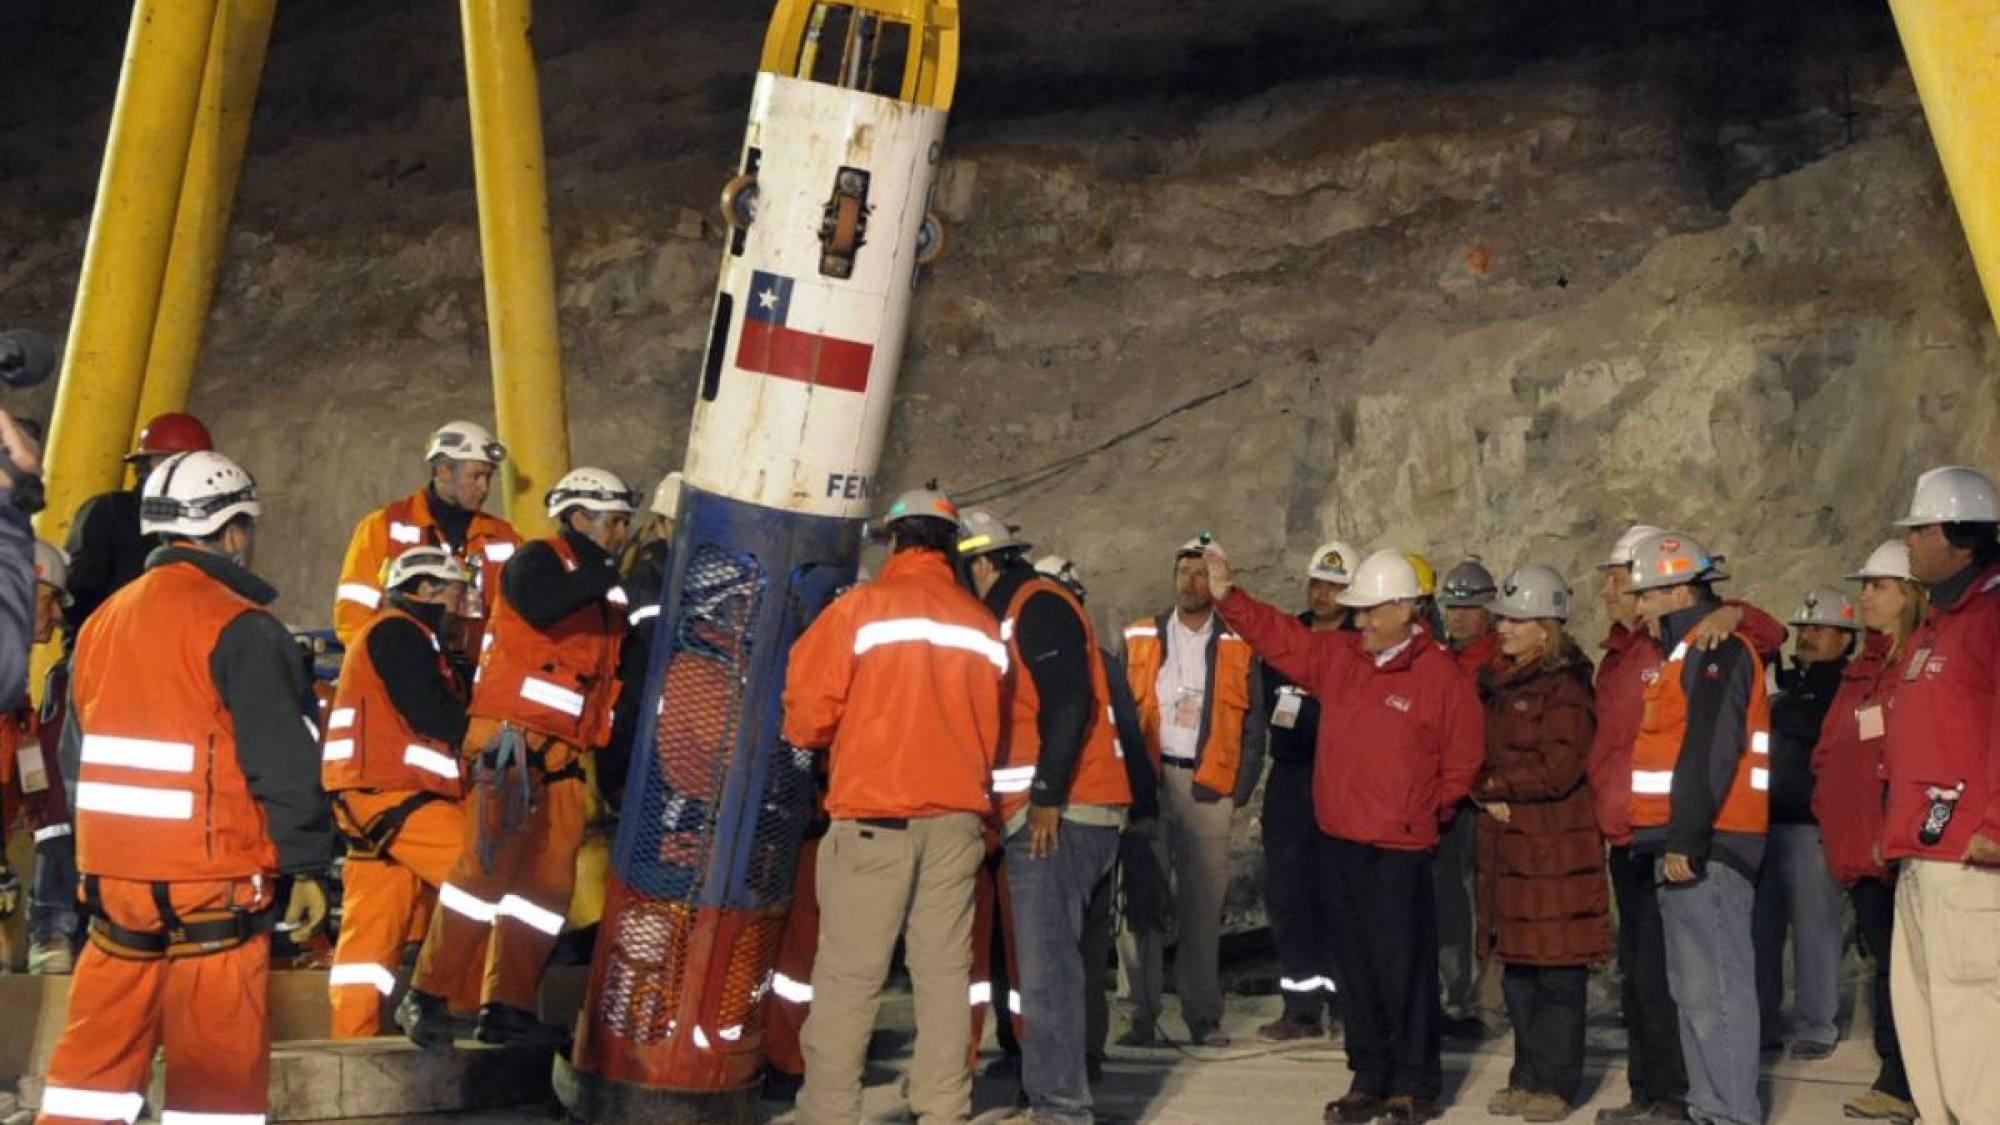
<point x="172" y="433"/>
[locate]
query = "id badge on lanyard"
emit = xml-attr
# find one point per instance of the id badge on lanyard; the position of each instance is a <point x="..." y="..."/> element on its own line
<point x="1285" y="715"/>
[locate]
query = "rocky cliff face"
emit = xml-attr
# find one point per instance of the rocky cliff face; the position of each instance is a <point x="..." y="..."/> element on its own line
<point x="1407" y="273"/>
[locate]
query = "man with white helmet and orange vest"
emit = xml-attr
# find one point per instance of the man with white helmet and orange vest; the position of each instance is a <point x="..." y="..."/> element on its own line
<point x="1199" y="692"/>
<point x="1943" y="816"/>
<point x="1796" y="891"/>
<point x="898" y="681"/>
<point x="1061" y="795"/>
<point x="462" y="459"/>
<point x="391" y="764"/>
<point x="547" y="683"/>
<point x="196" y="788"/>
<point x="1700" y="807"/>
<point x="1631" y="661"/>
<point x="1301" y="915"/>
<point x="1386" y="779"/>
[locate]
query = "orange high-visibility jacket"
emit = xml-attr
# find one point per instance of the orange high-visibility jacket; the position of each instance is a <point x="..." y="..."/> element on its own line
<point x="369" y="744"/>
<point x="390" y="530"/>
<point x="160" y="794"/>
<point x="1219" y="753"/>
<point x="1662" y="730"/>
<point x="1100" y="769"/>
<point x="561" y="682"/>
<point x="900" y="679"/>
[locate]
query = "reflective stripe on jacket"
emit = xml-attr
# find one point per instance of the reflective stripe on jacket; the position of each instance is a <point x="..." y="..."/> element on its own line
<point x="368" y="743"/>
<point x="390" y="530"/>
<point x="1663" y="733"/>
<point x="1231" y="733"/>
<point x="561" y="681"/>
<point x="1100" y="772"/>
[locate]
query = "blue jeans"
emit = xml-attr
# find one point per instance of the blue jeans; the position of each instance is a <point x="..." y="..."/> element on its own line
<point x="1796" y="892"/>
<point x="1712" y="972"/>
<point x="52" y="912"/>
<point x="1050" y="895"/>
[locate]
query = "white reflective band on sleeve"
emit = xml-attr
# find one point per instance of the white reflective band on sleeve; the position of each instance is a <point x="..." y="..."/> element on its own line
<point x="1653" y="783"/>
<point x="425" y="758"/>
<point x="177" y="1117"/>
<point x="52" y="832"/>
<point x="374" y="976"/>
<point x="1013" y="1001"/>
<point x="981" y="992"/>
<point x="796" y="991"/>
<point x="1760" y="742"/>
<point x="90" y="1105"/>
<point x="904" y="630"/>
<point x="340" y="718"/>
<point x="553" y="696"/>
<point x="138" y="754"/>
<point x="360" y="593"/>
<point x="642" y="614"/>
<point x="521" y="910"/>
<point x="312" y="731"/>
<point x="616" y="596"/>
<point x="499" y="552"/>
<point x="1305" y="984"/>
<point x="1141" y="631"/>
<point x="700" y="1037"/>
<point x="731" y="1034"/>
<point x="1013" y="779"/>
<point x="1680" y="652"/>
<point x="406" y="533"/>
<point x="337" y="750"/>
<point x="1006" y="630"/>
<point x="1760" y="778"/>
<point x="458" y="902"/>
<point x="134" y="800"/>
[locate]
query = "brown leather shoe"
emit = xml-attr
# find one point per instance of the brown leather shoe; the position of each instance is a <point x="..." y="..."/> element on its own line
<point x="1507" y="1102"/>
<point x="1874" y="1105"/>
<point x="1401" y="1108"/>
<point x="1285" y="1029"/>
<point x="1351" y="1107"/>
<point x="1544" y="1108"/>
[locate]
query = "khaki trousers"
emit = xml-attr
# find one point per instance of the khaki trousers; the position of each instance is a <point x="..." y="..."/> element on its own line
<point x="1944" y="982"/>
<point x="1197" y="861"/>
<point x="877" y="882"/>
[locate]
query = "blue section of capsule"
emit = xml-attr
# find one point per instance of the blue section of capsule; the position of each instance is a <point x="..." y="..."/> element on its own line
<point x="715" y="804"/>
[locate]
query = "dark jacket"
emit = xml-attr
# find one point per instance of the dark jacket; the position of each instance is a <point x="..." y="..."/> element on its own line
<point x="1543" y="897"/>
<point x="1295" y="744"/>
<point x="106" y="552"/>
<point x="17" y="602"/>
<point x="1056" y="650"/>
<point x="1798" y="708"/>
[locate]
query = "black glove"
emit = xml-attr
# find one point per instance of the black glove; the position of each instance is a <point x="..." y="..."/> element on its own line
<point x="1143" y="893"/>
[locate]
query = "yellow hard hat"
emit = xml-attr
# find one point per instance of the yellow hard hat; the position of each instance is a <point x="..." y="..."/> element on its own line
<point x="1427" y="575"/>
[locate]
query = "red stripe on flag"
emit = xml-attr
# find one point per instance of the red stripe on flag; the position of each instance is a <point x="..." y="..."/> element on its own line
<point x="787" y="353"/>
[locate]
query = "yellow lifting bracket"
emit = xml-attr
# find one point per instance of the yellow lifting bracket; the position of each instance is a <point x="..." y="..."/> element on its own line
<point x="795" y="46"/>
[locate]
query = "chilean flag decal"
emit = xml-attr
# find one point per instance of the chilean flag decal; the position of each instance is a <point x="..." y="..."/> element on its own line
<point x="769" y="346"/>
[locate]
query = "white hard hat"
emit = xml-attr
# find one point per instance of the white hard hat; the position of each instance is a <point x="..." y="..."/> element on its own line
<point x="1890" y="560"/>
<point x="194" y="494"/>
<point x="980" y="532"/>
<point x="465" y="441"/>
<point x="1532" y="593"/>
<point x="921" y="503"/>
<point x="1671" y="558"/>
<point x="667" y="496"/>
<point x="1334" y="561"/>
<point x="1469" y="585"/>
<point x="1196" y="547"/>
<point x="1385" y="576"/>
<point x="52" y="569"/>
<point x="593" y="490"/>
<point x="1952" y="494"/>
<point x="1824" y="605"/>
<point x="426" y="562"/>
<point x="1063" y="571"/>
<point x="1621" y="551"/>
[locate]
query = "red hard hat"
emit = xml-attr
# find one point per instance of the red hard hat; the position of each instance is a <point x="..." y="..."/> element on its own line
<point x="172" y="433"/>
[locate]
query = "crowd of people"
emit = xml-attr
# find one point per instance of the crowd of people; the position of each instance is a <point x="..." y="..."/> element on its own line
<point x="1461" y="812"/>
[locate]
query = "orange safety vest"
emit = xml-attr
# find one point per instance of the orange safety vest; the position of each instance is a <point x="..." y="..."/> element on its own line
<point x="396" y="527"/>
<point x="160" y="795"/>
<point x="560" y="682"/>
<point x="1657" y="750"/>
<point x="369" y="744"/>
<point x="1100" y="770"/>
<point x="1229" y="703"/>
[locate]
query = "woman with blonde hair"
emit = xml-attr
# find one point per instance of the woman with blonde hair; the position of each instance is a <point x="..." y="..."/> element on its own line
<point x="1544" y="898"/>
<point x="1848" y="795"/>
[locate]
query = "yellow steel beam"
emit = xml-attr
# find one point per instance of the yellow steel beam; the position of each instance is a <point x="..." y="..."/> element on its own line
<point x="521" y="332"/>
<point x="1954" y="52"/>
<point x="131" y="226"/>
<point x="236" y="45"/>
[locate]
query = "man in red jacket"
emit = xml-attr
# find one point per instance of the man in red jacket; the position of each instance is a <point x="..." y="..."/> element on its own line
<point x="1943" y="818"/>
<point x="1632" y="659"/>
<point x="1408" y="744"/>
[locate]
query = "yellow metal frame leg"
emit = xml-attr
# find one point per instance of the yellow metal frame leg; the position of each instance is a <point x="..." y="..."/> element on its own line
<point x="1954" y="52"/>
<point x="241" y="33"/>
<point x="521" y="328"/>
<point x="131" y="227"/>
